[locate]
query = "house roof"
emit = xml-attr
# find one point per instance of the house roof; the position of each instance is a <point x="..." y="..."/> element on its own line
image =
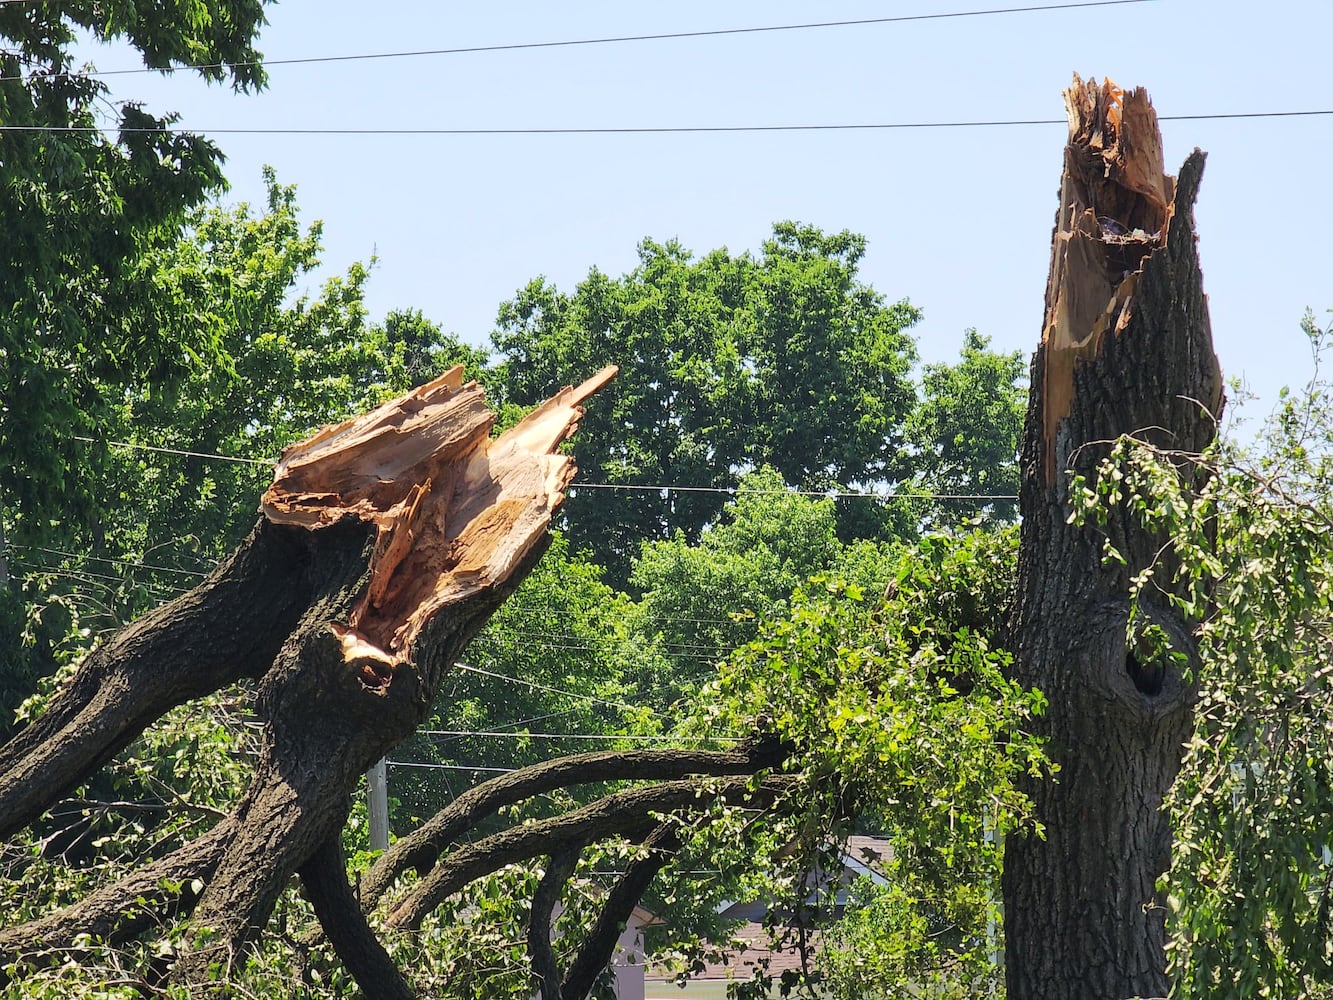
<point x="751" y="948"/>
<point x="868" y="856"/>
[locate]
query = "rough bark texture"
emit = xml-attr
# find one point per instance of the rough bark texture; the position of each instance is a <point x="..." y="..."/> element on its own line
<point x="631" y="814"/>
<point x="229" y="627"/>
<point x="1126" y="349"/>
<point x="600" y="944"/>
<point x="324" y="878"/>
<point x="386" y="544"/>
<point x="421" y="848"/>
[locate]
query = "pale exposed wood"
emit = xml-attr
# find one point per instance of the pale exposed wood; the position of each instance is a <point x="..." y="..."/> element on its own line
<point x="454" y="510"/>
<point x="1115" y="206"/>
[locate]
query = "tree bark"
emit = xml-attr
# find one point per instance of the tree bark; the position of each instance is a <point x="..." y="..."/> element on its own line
<point x="324" y="878"/>
<point x="421" y="848"/>
<point x="1126" y="349"/>
<point x="386" y="543"/>
<point x="631" y="814"/>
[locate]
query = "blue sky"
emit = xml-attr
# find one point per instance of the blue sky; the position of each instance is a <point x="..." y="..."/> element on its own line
<point x="958" y="220"/>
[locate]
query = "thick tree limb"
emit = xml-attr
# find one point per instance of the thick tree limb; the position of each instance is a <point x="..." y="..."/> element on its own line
<point x="458" y="521"/>
<point x="324" y="878"/>
<point x="229" y="627"/>
<point x="1126" y="349"/>
<point x="600" y="944"/>
<point x="420" y="849"/>
<point x="628" y="814"/>
<point x="387" y="543"/>
<point x="545" y="968"/>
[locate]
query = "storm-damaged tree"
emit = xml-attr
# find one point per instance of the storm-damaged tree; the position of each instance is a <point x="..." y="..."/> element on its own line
<point x="1126" y="349"/>
<point x="383" y="546"/>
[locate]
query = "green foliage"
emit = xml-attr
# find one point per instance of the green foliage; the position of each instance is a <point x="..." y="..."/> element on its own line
<point x="282" y="364"/>
<point x="556" y="658"/>
<point x="700" y="601"/>
<point x="872" y="704"/>
<point x="966" y="428"/>
<point x="79" y="208"/>
<point x="1252" y="809"/>
<point x="727" y="363"/>
<point x="924" y="948"/>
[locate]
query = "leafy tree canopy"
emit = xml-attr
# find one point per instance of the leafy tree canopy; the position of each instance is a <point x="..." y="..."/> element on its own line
<point x="80" y="305"/>
<point x="728" y="363"/>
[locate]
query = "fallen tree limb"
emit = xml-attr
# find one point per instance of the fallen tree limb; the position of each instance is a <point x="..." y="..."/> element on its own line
<point x="386" y="542"/>
<point x="631" y="814"/>
<point x="420" y="849"/>
<point x="324" y="878"/>
<point x="600" y="944"/>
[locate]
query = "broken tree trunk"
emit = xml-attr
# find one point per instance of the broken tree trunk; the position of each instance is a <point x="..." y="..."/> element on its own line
<point x="385" y="544"/>
<point x="1126" y="349"/>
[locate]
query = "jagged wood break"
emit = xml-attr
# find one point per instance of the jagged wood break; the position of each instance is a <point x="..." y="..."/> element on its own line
<point x="385" y="544"/>
<point x="1125" y="348"/>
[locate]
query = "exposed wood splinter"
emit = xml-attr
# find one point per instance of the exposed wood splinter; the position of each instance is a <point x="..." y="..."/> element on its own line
<point x="1116" y="204"/>
<point x="455" y="511"/>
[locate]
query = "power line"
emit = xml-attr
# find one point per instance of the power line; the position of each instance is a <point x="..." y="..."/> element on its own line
<point x="448" y="767"/>
<point x="116" y="562"/>
<point x="542" y="687"/>
<point x="134" y="446"/>
<point x="633" y="487"/>
<point x="495" y="734"/>
<point x="645" y="129"/>
<point x="605" y="40"/>
<point x="737" y="491"/>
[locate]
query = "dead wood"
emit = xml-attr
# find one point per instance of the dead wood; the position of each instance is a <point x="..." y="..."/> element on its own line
<point x="1125" y="348"/>
<point x="420" y="849"/>
<point x="630" y="814"/>
<point x="385" y="544"/>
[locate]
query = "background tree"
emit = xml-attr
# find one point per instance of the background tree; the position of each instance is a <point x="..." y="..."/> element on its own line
<point x="282" y="364"/>
<point x="79" y="310"/>
<point x="966" y="428"/>
<point x="730" y="362"/>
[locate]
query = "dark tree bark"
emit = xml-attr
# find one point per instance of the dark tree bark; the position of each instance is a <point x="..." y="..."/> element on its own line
<point x="631" y="814"/>
<point x="545" y="966"/>
<point x="420" y="849"/>
<point x="324" y="878"/>
<point x="600" y="943"/>
<point x="1126" y="349"/>
<point x="385" y="544"/>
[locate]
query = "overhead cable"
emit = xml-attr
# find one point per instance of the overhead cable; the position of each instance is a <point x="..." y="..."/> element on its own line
<point x="542" y="687"/>
<point x="496" y="734"/>
<point x="639" y="130"/>
<point x="134" y="446"/>
<point x="448" y="767"/>
<point x="605" y="40"/>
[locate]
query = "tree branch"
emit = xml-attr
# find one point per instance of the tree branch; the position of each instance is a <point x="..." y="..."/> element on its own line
<point x="118" y="911"/>
<point x="625" y="814"/>
<point x="324" y="877"/>
<point x="600" y="943"/>
<point x="179" y="651"/>
<point x="420" y="849"/>
<point x="560" y="866"/>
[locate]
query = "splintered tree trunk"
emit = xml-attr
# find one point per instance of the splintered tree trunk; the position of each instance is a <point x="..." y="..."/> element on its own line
<point x="1126" y="349"/>
<point x="385" y="544"/>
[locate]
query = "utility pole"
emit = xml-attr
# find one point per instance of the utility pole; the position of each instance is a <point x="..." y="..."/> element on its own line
<point x="377" y="788"/>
